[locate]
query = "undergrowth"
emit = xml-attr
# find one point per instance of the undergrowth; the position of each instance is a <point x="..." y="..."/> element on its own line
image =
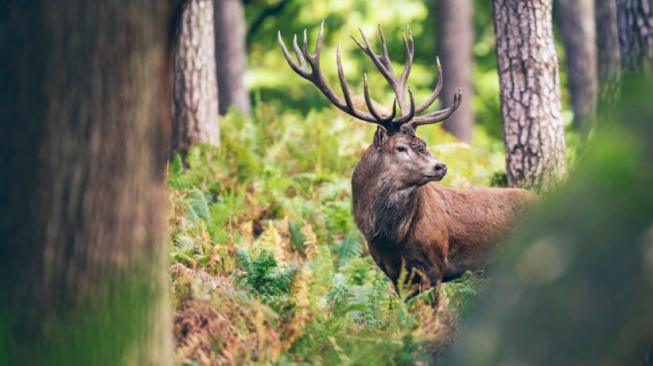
<point x="268" y="266"/>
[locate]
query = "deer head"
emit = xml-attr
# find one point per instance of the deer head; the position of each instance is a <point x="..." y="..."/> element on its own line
<point x="397" y="148"/>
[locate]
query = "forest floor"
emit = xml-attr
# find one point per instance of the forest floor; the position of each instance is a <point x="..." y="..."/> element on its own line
<point x="267" y="265"/>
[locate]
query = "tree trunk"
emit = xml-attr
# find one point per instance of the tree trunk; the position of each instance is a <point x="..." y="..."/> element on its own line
<point x="609" y="56"/>
<point x="455" y="48"/>
<point x="195" y="101"/>
<point x="231" y="55"/>
<point x="530" y="93"/>
<point x="82" y="254"/>
<point x="635" y="21"/>
<point x="577" y="27"/>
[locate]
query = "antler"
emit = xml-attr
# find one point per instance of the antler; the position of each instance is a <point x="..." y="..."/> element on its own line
<point x="409" y="112"/>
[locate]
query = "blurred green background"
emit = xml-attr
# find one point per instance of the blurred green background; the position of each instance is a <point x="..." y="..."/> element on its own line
<point x="272" y="81"/>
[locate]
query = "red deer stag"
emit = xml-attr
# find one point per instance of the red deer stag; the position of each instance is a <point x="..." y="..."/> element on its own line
<point x="435" y="232"/>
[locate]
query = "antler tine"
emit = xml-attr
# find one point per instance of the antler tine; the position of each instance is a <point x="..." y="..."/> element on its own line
<point x="397" y="86"/>
<point x="298" y="52"/>
<point x="318" y="44"/>
<point x="440" y="115"/>
<point x="316" y="77"/>
<point x="394" y="109"/>
<point x="370" y="104"/>
<point x="409" y="46"/>
<point x="341" y="78"/>
<point x="305" y="45"/>
<point x="436" y="91"/>
<point x="385" y="58"/>
<point x="286" y="54"/>
<point x="375" y="58"/>
<point x="411" y="111"/>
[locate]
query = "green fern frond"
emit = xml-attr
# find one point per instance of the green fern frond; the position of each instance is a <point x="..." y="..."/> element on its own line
<point x="198" y="207"/>
<point x="350" y="247"/>
<point x="297" y="237"/>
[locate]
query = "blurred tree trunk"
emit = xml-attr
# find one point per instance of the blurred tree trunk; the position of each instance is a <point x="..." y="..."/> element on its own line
<point x="455" y="48"/>
<point x="635" y="21"/>
<point x="85" y="86"/>
<point x="609" y="55"/>
<point x="530" y="93"/>
<point x="575" y="285"/>
<point x="231" y="55"/>
<point x="576" y="22"/>
<point x="195" y="101"/>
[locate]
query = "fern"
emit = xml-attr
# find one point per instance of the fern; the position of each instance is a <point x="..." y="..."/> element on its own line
<point x="198" y="207"/>
<point x="350" y="247"/>
<point x="358" y="271"/>
<point x="243" y="260"/>
<point x="264" y="277"/>
<point x="323" y="269"/>
<point x="297" y="237"/>
<point x="339" y="294"/>
<point x="184" y="243"/>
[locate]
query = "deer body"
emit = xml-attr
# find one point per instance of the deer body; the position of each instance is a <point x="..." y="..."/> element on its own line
<point x="437" y="231"/>
<point x="408" y="219"/>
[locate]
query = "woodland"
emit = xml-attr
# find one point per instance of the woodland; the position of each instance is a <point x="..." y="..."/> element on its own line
<point x="176" y="181"/>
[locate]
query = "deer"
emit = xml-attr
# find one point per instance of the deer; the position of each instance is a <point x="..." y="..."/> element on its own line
<point x="411" y="222"/>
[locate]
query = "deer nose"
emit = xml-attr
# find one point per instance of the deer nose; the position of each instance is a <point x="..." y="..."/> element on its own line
<point x="441" y="168"/>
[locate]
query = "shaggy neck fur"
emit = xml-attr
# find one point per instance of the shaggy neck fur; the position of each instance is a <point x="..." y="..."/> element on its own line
<point x="383" y="210"/>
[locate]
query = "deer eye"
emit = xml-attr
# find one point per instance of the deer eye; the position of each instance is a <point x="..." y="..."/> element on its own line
<point x="401" y="149"/>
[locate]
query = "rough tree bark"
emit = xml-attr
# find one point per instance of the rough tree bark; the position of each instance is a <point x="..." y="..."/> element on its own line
<point x="609" y="55"/>
<point x="576" y="21"/>
<point x="635" y="22"/>
<point x="455" y="48"/>
<point x="195" y="90"/>
<point x="530" y="93"/>
<point x="82" y="254"/>
<point x="231" y="55"/>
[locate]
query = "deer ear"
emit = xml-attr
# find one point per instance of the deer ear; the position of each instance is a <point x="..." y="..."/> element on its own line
<point x="379" y="137"/>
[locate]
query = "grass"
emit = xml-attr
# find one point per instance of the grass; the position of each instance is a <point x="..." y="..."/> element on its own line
<point x="268" y="266"/>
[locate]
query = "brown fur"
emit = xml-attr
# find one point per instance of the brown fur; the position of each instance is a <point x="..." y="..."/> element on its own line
<point x="409" y="220"/>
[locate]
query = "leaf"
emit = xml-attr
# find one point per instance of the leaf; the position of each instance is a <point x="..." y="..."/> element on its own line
<point x="297" y="237"/>
<point x="350" y="247"/>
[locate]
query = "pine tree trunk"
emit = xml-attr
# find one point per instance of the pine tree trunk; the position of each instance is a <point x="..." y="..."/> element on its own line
<point x="455" y="48"/>
<point x="231" y="55"/>
<point x="609" y="55"/>
<point x="86" y="92"/>
<point x="635" y="21"/>
<point x="530" y="93"/>
<point x="195" y="101"/>
<point x="577" y="27"/>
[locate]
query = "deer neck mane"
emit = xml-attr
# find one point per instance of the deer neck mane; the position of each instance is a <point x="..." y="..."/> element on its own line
<point x="384" y="212"/>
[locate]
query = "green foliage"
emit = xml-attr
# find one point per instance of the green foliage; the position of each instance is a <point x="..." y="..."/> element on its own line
<point x="297" y="237"/>
<point x="499" y="179"/>
<point x="263" y="276"/>
<point x="272" y="81"/>
<point x="269" y="212"/>
<point x="350" y="247"/>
